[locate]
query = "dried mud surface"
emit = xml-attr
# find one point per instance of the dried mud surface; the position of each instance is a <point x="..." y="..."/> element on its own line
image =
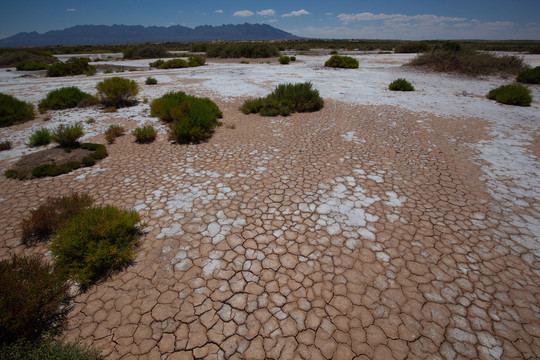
<point x="355" y="232"/>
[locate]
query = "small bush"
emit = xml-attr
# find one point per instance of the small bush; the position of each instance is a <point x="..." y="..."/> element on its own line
<point x="74" y="66"/>
<point x="95" y="242"/>
<point x="49" y="216"/>
<point x="146" y="52"/>
<point x="170" y="64"/>
<point x="88" y="102"/>
<point x="196" y="60"/>
<point x="48" y="348"/>
<point x="286" y="99"/>
<point x="333" y="52"/>
<point x="31" y="66"/>
<point x="117" y="92"/>
<point x="157" y="63"/>
<point x="345" y="62"/>
<point x="401" y="85"/>
<point x="150" y="81"/>
<point x="242" y="50"/>
<point x="5" y="145"/>
<point x="68" y="135"/>
<point x="32" y="295"/>
<point x="529" y="76"/>
<point x="64" y="98"/>
<point x="114" y="131"/>
<point x="513" y="94"/>
<point x="110" y="109"/>
<point x="145" y="134"/>
<point x="90" y="120"/>
<point x="284" y="60"/>
<point x="40" y="137"/>
<point x="412" y="47"/>
<point x="107" y="71"/>
<point x="293" y="58"/>
<point x="13" y="111"/>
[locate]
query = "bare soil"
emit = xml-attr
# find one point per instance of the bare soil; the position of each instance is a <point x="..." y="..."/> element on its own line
<point x="56" y="155"/>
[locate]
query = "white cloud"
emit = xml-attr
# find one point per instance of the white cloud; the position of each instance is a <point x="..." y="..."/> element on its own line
<point x="297" y="13"/>
<point x="244" y="13"/>
<point x="219" y="11"/>
<point x="272" y="20"/>
<point x="329" y="14"/>
<point x="268" y="12"/>
<point x="347" y="18"/>
<point x="71" y="10"/>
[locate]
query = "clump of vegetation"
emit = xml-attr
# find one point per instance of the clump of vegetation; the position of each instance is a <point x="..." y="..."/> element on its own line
<point x="48" y="348"/>
<point x="242" y="50"/>
<point x="293" y="58"/>
<point x="110" y="109"/>
<point x="114" y="131"/>
<point x="412" y="47"/>
<point x="170" y="64"/>
<point x="145" y="134"/>
<point x="284" y="60"/>
<point x="74" y="66"/>
<point x="5" y="145"/>
<point x="49" y="216"/>
<point x="12" y="58"/>
<point x="333" y="52"/>
<point x="31" y="66"/>
<point x="344" y="62"/>
<point x="68" y="135"/>
<point x="95" y="242"/>
<point x="513" y="94"/>
<point x="40" y="137"/>
<point x="151" y="81"/>
<point x="66" y="98"/>
<point x="90" y="120"/>
<point x="14" y="111"/>
<point x="192" y="119"/>
<point x="117" y="92"/>
<point x="453" y="57"/>
<point x="146" y="52"/>
<point x="33" y="299"/>
<point x="400" y="85"/>
<point x="107" y="71"/>
<point x="196" y="60"/>
<point x="286" y="99"/>
<point x="529" y="76"/>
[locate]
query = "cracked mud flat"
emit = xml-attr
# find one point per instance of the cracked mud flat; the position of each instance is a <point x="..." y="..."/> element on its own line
<point x="389" y="230"/>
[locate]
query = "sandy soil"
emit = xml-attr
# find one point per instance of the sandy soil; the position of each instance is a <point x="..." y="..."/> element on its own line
<point x="385" y="226"/>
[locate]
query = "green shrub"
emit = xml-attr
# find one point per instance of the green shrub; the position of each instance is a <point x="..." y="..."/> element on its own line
<point x="117" y="92"/>
<point x="345" y="62"/>
<point x="107" y="71"/>
<point x="157" y="63"/>
<point x="40" y="137"/>
<point x="333" y="52"/>
<point x="48" y="348"/>
<point x="513" y="94"/>
<point x="65" y="98"/>
<point x="412" y="47"/>
<point x="88" y="101"/>
<point x="196" y="60"/>
<point x="401" y="85"/>
<point x="242" y="50"/>
<point x="286" y="99"/>
<point x="5" y="145"/>
<point x="49" y="216"/>
<point x="68" y="135"/>
<point x="293" y="58"/>
<point x="284" y="60"/>
<point x="12" y="58"/>
<point x="31" y="66"/>
<point x="13" y="111"/>
<point x="529" y="76"/>
<point x="145" y="134"/>
<point x="110" y="109"/>
<point x="150" y="81"/>
<point x="114" y="131"/>
<point x="95" y="242"/>
<point x="32" y="300"/>
<point x="74" y="66"/>
<point x="99" y="150"/>
<point x="170" y="64"/>
<point x="147" y="52"/>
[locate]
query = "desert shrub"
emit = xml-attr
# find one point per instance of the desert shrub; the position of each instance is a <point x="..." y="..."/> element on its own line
<point x="110" y="109"/>
<point x="293" y="58"/>
<point x="170" y="64"/>
<point x="31" y="66"/>
<point x="68" y="135"/>
<point x="147" y="52"/>
<point x="286" y="99"/>
<point x="114" y="131"/>
<point x="88" y="101"/>
<point x="95" y="242"/>
<point x="99" y="151"/>
<point x="49" y="216"/>
<point x="401" y="85"/>
<point x="284" y="60"/>
<point x="529" y="76"/>
<point x="145" y="134"/>
<point x="48" y="348"/>
<point x="242" y="49"/>
<point x="468" y="62"/>
<point x="150" y="81"/>
<point x="13" y="111"/>
<point x="513" y="94"/>
<point x="40" y="137"/>
<point x="107" y="71"/>
<point x="333" y="52"/>
<point x="10" y="59"/>
<point x="157" y="63"/>
<point x="65" y="98"/>
<point x="345" y="62"/>
<point x="412" y="47"/>
<point x="117" y="92"/>
<point x="74" y="66"/>
<point x="196" y="60"/>
<point x="5" y="145"/>
<point x="32" y="295"/>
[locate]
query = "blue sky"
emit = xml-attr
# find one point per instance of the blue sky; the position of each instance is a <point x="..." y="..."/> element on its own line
<point x="366" y="19"/>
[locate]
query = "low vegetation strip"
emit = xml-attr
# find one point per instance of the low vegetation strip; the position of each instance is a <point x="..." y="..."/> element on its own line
<point x="14" y="111"/>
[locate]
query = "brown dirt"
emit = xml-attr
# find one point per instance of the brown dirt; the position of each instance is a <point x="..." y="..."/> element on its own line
<point x="55" y="155"/>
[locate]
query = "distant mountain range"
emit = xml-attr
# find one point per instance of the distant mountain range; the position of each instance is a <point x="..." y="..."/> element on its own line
<point x="120" y="34"/>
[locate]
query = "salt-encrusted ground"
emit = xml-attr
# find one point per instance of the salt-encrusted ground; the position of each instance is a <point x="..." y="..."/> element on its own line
<point x="386" y="225"/>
